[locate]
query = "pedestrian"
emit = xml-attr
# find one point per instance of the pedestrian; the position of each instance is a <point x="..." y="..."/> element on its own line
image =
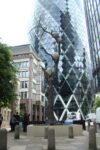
<point x="13" y="123"/>
<point x="25" y="122"/>
<point x="17" y="116"/>
<point x="1" y="119"/>
<point x="83" y="123"/>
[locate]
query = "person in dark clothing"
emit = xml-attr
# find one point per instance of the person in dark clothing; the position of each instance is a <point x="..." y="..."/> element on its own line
<point x="17" y="116"/>
<point x="13" y="123"/>
<point x="83" y="123"/>
<point x="25" y="122"/>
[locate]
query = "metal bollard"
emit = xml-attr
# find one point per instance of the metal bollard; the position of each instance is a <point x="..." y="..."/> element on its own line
<point x="17" y="132"/>
<point x="46" y="132"/>
<point x="70" y="132"/>
<point x="51" y="139"/>
<point x="3" y="139"/>
<point x="92" y="139"/>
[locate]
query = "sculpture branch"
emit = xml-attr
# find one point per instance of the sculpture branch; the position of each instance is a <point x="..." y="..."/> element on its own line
<point x="56" y="37"/>
<point x="45" y="30"/>
<point x="47" y="53"/>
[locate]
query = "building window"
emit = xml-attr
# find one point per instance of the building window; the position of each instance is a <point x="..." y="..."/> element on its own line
<point x="38" y="107"/>
<point x="42" y="98"/>
<point x="24" y="64"/>
<point x="23" y="95"/>
<point x="24" y="84"/>
<point x="97" y="2"/>
<point x="23" y="74"/>
<point x="42" y="109"/>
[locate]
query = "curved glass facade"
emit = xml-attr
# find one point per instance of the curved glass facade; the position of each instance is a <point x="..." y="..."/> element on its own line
<point x="72" y="89"/>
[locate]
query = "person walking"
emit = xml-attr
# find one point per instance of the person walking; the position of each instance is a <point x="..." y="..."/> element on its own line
<point x="1" y="119"/>
<point x="13" y="123"/>
<point x="25" y="122"/>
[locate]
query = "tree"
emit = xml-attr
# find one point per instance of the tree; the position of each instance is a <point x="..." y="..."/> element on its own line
<point x="96" y="103"/>
<point x="7" y="77"/>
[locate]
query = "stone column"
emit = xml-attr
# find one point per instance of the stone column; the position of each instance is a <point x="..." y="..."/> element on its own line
<point x="92" y="139"/>
<point x="40" y="112"/>
<point x="3" y="139"/>
<point x="51" y="139"/>
<point x="35" y="112"/>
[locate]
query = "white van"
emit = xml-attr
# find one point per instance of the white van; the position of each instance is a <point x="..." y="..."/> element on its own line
<point x="98" y="115"/>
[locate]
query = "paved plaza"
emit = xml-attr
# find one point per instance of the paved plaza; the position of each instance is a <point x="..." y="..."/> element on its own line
<point x="39" y="143"/>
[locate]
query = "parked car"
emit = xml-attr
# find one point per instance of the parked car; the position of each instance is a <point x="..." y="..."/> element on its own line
<point x="74" y="116"/>
<point x="91" y="117"/>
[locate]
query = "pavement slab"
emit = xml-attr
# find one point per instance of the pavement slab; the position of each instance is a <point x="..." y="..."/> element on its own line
<point x="39" y="143"/>
<point x="18" y="148"/>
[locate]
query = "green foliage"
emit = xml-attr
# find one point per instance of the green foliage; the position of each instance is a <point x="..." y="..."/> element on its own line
<point x="96" y="103"/>
<point x="7" y="77"/>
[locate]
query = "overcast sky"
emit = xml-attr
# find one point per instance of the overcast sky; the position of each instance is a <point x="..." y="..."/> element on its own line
<point x="15" y="18"/>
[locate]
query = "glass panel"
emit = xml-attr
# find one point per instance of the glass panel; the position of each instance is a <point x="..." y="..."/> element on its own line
<point x="58" y="108"/>
<point x="85" y="108"/>
<point x="72" y="80"/>
<point x="70" y="54"/>
<point x="73" y="106"/>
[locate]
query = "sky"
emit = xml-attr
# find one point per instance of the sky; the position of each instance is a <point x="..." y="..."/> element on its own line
<point x="15" y="20"/>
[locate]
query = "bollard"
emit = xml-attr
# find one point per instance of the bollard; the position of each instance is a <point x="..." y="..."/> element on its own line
<point x="51" y="139"/>
<point x="17" y="132"/>
<point x="95" y="126"/>
<point x="88" y="124"/>
<point x="3" y="139"/>
<point x="46" y="132"/>
<point x="70" y="132"/>
<point x="92" y="139"/>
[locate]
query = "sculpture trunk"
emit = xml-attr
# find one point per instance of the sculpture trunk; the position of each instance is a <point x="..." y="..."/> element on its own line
<point x="50" y="102"/>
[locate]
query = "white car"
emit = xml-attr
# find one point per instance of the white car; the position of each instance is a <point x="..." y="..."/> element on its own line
<point x="91" y="117"/>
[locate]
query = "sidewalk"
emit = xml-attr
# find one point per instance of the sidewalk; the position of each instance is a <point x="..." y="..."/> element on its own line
<point x="39" y="143"/>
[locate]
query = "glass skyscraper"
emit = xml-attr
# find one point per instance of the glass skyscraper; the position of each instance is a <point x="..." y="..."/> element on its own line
<point x="92" y="9"/>
<point x="72" y="92"/>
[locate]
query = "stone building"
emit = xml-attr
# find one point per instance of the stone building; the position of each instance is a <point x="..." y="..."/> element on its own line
<point x="31" y="77"/>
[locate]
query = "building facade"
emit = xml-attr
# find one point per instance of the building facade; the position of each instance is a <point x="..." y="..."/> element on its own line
<point x="92" y="10"/>
<point x="31" y="77"/>
<point x="72" y="89"/>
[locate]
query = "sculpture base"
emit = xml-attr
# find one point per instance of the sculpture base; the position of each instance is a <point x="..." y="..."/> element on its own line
<point x="60" y="130"/>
